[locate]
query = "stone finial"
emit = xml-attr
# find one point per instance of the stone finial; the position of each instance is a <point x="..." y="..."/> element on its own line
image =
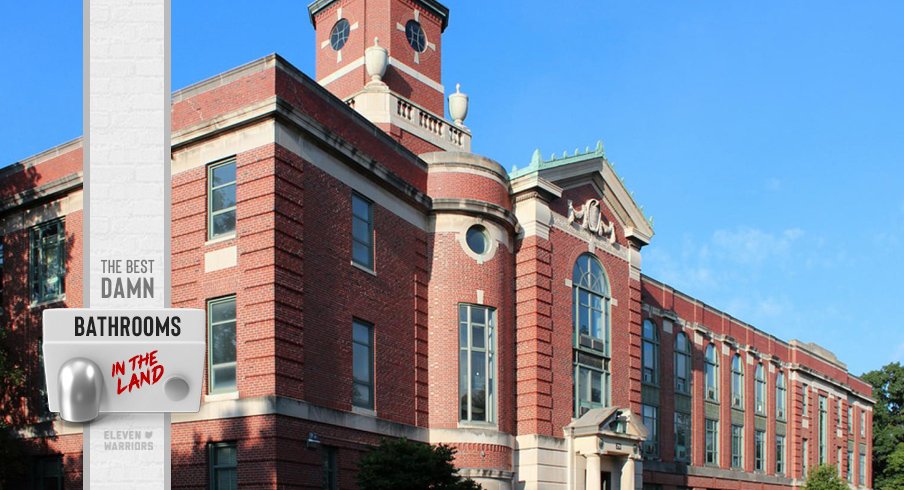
<point x="535" y="159"/>
<point x="376" y="59"/>
<point x="458" y="106"/>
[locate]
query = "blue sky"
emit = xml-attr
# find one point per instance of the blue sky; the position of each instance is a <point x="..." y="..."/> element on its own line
<point x="766" y="139"/>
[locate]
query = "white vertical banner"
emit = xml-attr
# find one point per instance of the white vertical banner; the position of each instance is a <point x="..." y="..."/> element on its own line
<point x="127" y="188"/>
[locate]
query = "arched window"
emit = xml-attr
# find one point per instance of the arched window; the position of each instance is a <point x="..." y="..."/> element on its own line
<point x="591" y="334"/>
<point x="650" y="351"/>
<point x="737" y="382"/>
<point x="682" y="364"/>
<point x="760" y="390"/>
<point x="780" y="394"/>
<point x="711" y="373"/>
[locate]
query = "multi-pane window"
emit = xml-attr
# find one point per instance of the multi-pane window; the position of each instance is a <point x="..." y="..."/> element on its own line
<point x="48" y="255"/>
<point x="760" y="390"/>
<point x="651" y="421"/>
<point x="823" y="430"/>
<point x="682" y="364"/>
<point x="221" y="199"/>
<point x="650" y="350"/>
<point x="362" y="232"/>
<point x="222" y="464"/>
<point x="779" y="454"/>
<point x="711" y="373"/>
<point x="712" y="442"/>
<point x="850" y="419"/>
<point x="780" y="396"/>
<point x="737" y="382"/>
<point x="861" y="474"/>
<point x="737" y="446"/>
<point x="838" y="410"/>
<point x="591" y="334"/>
<point x="363" y="365"/>
<point x="805" y="457"/>
<point x="221" y="344"/>
<point x="805" y="393"/>
<point x="839" y="462"/>
<point x="759" y="450"/>
<point x="682" y="436"/>
<point x="476" y="368"/>
<point x="862" y="423"/>
<point x="850" y="466"/>
<point x="330" y="469"/>
<point x="47" y="473"/>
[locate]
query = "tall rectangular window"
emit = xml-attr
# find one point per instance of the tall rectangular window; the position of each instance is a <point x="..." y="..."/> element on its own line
<point x="221" y="345"/>
<point x="861" y="475"/>
<point x="862" y="423"/>
<point x="476" y="364"/>
<point x="222" y="466"/>
<point x="682" y="364"/>
<point x="838" y="414"/>
<point x="682" y="436"/>
<point x="330" y="469"/>
<point x="850" y="466"/>
<point x="780" y="396"/>
<point x="839" y="462"/>
<point x="760" y="390"/>
<point x="363" y="365"/>
<point x="48" y="255"/>
<point x="362" y="232"/>
<point x="712" y="442"/>
<point x="759" y="450"/>
<point x="806" y="400"/>
<point x="221" y="199"/>
<point x="650" y="353"/>
<point x="805" y="457"/>
<point x="850" y="419"/>
<point x="737" y="446"/>
<point x="823" y="430"/>
<point x="779" y="454"/>
<point x="47" y="473"/>
<point x="651" y="420"/>
<point x="711" y="373"/>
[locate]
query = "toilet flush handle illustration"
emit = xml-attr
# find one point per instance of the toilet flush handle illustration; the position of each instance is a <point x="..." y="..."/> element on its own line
<point x="103" y="361"/>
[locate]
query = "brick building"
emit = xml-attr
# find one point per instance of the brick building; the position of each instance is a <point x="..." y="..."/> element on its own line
<point x="366" y="276"/>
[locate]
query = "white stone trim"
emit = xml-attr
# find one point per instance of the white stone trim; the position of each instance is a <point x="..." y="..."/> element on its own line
<point x="341" y="72"/>
<point x="35" y="215"/>
<point x="223" y="258"/>
<point x="561" y="223"/>
<point x="413" y="73"/>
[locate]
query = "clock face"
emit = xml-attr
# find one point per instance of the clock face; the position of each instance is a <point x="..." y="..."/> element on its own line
<point x="339" y="34"/>
<point x="417" y="39"/>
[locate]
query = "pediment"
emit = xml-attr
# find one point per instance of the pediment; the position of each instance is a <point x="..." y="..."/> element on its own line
<point x="613" y="422"/>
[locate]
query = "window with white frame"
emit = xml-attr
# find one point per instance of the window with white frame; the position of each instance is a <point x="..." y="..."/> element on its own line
<point x="221" y="199"/>
<point x="591" y="334"/>
<point x="780" y="395"/>
<point x="737" y="382"/>
<point x="711" y="373"/>
<point x="862" y="423"/>
<point x="760" y="390"/>
<point x="805" y="393"/>
<point x="650" y="351"/>
<point x="862" y="468"/>
<point x="839" y="463"/>
<point x="362" y="231"/>
<point x="850" y="466"/>
<point x="805" y="457"/>
<point x="737" y="446"/>
<point x="850" y="419"/>
<point x="779" y="454"/>
<point x="682" y="364"/>
<point x="363" y="365"/>
<point x="221" y="344"/>
<point x="838" y="410"/>
<point x="712" y="442"/>
<point x="476" y="363"/>
<point x="823" y="430"/>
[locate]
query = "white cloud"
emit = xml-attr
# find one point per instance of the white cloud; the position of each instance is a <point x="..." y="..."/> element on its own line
<point x="752" y="246"/>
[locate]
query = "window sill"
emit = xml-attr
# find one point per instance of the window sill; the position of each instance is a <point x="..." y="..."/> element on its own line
<point x="364" y="411"/>
<point x="48" y="302"/>
<point x="217" y="397"/>
<point x="364" y="268"/>
<point x="463" y="424"/>
<point x="220" y="239"/>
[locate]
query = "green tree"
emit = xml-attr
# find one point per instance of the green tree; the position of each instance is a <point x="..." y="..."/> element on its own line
<point x="11" y="377"/>
<point x="888" y="426"/>
<point x="825" y="478"/>
<point x="400" y="464"/>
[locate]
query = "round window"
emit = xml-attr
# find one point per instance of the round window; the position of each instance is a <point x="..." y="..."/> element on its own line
<point x="478" y="239"/>
<point x="339" y="34"/>
<point x="416" y="37"/>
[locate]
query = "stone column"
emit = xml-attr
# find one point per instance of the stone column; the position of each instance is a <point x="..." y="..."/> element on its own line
<point x="627" y="474"/>
<point x="592" y="481"/>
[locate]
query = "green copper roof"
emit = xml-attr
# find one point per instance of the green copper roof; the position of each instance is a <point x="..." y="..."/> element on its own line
<point x="538" y="163"/>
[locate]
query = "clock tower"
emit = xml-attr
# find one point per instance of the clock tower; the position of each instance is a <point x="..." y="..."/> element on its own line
<point x="384" y="57"/>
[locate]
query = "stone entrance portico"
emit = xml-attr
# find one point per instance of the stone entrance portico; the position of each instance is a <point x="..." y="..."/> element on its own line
<point x="604" y="450"/>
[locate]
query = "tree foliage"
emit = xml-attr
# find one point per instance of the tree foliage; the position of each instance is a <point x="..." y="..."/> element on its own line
<point x="888" y="426"/>
<point x="400" y="464"/>
<point x="825" y="478"/>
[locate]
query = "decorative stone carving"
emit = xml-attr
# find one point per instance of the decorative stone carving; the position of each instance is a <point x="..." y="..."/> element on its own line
<point x="376" y="58"/>
<point x="458" y="106"/>
<point x="592" y="219"/>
